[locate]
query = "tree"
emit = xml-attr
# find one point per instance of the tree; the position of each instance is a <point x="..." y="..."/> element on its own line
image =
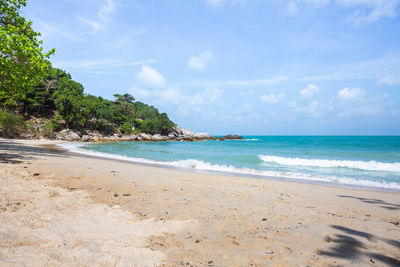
<point x="22" y="61"/>
<point x="38" y="100"/>
<point x="125" y="98"/>
<point x="124" y="108"/>
<point x="68" y="99"/>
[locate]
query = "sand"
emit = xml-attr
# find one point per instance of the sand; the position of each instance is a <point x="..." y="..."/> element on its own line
<point x="64" y="209"/>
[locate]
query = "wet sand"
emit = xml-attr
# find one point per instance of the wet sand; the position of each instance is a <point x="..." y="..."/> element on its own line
<point x="59" y="208"/>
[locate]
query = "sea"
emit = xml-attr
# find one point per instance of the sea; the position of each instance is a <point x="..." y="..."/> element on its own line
<point x="368" y="162"/>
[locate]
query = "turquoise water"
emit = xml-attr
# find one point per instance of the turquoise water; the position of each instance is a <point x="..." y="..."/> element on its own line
<point x="360" y="161"/>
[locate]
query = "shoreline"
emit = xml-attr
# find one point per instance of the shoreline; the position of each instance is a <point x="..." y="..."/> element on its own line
<point x="61" y="208"/>
<point x="147" y="162"/>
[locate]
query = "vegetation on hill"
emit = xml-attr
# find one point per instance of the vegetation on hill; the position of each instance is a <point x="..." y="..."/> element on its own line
<point x="32" y="88"/>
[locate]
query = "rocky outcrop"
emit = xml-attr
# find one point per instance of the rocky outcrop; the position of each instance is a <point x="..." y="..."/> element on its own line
<point x="189" y="135"/>
<point x="85" y="138"/>
<point x="231" y="137"/>
<point x="176" y="134"/>
<point x="68" y="135"/>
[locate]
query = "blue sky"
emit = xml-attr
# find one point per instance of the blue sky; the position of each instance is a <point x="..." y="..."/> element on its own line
<point x="237" y="66"/>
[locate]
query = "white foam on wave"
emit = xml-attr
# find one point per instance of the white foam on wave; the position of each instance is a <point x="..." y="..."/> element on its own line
<point x="199" y="165"/>
<point x="324" y="163"/>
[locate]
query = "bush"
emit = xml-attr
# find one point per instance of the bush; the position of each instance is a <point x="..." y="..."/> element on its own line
<point x="11" y="125"/>
<point x="102" y="126"/>
<point x="51" y="126"/>
<point x="126" y="128"/>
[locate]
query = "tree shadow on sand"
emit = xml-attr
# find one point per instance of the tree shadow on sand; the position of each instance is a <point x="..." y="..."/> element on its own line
<point x="379" y="202"/>
<point x="347" y="246"/>
<point x="13" y="152"/>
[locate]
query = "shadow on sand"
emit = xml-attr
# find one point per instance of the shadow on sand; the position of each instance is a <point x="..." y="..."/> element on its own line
<point x="378" y="202"/>
<point x="13" y="152"/>
<point x="347" y="246"/>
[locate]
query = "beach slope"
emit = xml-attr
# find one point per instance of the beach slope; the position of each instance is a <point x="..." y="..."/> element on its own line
<point x="59" y="208"/>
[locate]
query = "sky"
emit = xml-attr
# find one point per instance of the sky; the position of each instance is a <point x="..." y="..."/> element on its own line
<point x="260" y="67"/>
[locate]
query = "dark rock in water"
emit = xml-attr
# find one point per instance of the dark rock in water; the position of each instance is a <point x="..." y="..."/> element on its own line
<point x="231" y="137"/>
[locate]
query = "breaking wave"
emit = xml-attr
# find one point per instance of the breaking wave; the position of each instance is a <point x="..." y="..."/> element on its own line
<point x="202" y="166"/>
<point x="324" y="163"/>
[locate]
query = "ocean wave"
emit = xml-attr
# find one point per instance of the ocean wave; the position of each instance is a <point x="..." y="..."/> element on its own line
<point x="324" y="163"/>
<point x="202" y="166"/>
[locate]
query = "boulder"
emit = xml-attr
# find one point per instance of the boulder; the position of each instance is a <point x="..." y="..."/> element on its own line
<point x="187" y="133"/>
<point x="177" y="131"/>
<point x="201" y="136"/>
<point x="231" y="137"/>
<point x="145" y="136"/>
<point x="114" y="138"/>
<point x="85" y="138"/>
<point x="72" y="136"/>
<point x="157" y="137"/>
<point x="61" y="134"/>
<point x="96" y="138"/>
<point x="129" y="138"/>
<point x="172" y="136"/>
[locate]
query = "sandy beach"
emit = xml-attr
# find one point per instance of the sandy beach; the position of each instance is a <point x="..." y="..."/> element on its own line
<point x="64" y="209"/>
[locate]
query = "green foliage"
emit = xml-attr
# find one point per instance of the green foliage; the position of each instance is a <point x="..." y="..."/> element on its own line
<point x="59" y="95"/>
<point x="11" y="124"/>
<point x="38" y="101"/>
<point x="68" y="100"/>
<point x="157" y="124"/>
<point x="51" y="126"/>
<point x="124" y="108"/>
<point x="22" y="61"/>
<point x="151" y="121"/>
<point x="126" y="128"/>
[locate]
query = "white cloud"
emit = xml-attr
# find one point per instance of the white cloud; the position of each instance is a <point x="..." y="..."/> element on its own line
<point x="149" y="78"/>
<point x="218" y="3"/>
<point x="312" y="109"/>
<point x="360" y="104"/>
<point x="310" y="91"/>
<point x="104" y="12"/>
<point x="272" y="98"/>
<point x="293" y="5"/>
<point x="390" y="80"/>
<point x="100" y="63"/>
<point x="246" y="107"/>
<point x="140" y="92"/>
<point x="126" y="40"/>
<point x="106" y="9"/>
<point x="364" y="10"/>
<point x="201" y="61"/>
<point x="350" y="102"/>
<point x="273" y="80"/>
<point x="347" y="93"/>
<point x="371" y="10"/>
<point x="49" y="29"/>
<point x="247" y="92"/>
<point x="183" y="99"/>
<point x="395" y="113"/>
<point x="214" y="3"/>
<point x="360" y="110"/>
